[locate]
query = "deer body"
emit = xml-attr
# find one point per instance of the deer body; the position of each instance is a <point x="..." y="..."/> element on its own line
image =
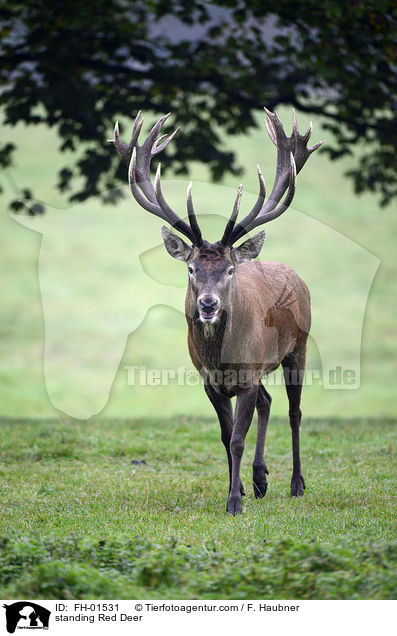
<point x="267" y="317"/>
<point x="245" y="318"/>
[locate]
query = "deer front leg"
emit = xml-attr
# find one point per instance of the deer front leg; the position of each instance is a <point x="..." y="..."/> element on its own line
<point x="224" y="411"/>
<point x="246" y="401"/>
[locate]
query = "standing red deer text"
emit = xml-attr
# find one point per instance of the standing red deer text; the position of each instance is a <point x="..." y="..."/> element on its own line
<point x="244" y="318"/>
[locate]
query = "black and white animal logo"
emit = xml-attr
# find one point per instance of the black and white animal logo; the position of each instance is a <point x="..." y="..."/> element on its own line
<point x="26" y="615"/>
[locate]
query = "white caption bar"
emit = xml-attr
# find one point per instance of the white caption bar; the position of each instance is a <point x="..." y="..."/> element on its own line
<point x="305" y="618"/>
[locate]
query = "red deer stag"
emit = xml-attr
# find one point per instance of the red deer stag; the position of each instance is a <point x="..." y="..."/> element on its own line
<point x="244" y="318"/>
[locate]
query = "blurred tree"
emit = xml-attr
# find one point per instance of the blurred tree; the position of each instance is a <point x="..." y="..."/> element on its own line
<point x="79" y="65"/>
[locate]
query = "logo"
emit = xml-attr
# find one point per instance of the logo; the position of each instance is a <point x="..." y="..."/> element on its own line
<point x="26" y="615"/>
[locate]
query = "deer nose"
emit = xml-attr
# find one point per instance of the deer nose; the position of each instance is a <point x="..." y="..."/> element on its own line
<point x="208" y="304"/>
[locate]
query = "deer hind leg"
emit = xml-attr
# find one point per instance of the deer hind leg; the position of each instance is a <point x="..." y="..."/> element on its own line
<point x="294" y="367"/>
<point x="259" y="469"/>
<point x="224" y="411"/>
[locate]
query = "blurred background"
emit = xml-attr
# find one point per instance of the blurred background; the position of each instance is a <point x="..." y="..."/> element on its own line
<point x="69" y="71"/>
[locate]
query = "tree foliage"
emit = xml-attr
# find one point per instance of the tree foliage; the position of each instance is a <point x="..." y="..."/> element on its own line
<point x="77" y="66"/>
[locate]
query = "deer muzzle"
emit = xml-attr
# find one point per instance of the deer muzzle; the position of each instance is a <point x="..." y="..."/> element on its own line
<point x="208" y="306"/>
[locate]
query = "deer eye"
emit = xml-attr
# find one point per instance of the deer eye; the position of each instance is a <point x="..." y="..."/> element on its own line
<point x="231" y="271"/>
<point x="190" y="270"/>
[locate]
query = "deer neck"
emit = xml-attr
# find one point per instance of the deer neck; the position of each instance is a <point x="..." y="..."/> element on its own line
<point x="209" y="338"/>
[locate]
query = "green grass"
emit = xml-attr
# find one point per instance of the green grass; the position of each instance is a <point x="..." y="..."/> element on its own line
<point x="136" y="508"/>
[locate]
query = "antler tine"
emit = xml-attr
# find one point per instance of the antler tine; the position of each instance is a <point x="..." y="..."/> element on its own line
<point x="169" y="214"/>
<point x="295" y="130"/>
<point x="158" y="148"/>
<point x="233" y="217"/>
<point x="136" y="192"/>
<point x="125" y="150"/>
<point x="192" y="216"/>
<point x="292" y="154"/>
<point x="270" y="131"/>
<point x="150" y="140"/>
<point x="227" y="237"/>
<point x="274" y="211"/>
<point x="317" y="145"/>
<point x="138" y="157"/>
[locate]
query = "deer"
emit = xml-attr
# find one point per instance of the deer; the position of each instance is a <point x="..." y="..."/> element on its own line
<point x="244" y="317"/>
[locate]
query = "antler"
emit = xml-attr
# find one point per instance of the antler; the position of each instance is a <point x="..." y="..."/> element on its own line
<point x="292" y="154"/>
<point x="138" y="159"/>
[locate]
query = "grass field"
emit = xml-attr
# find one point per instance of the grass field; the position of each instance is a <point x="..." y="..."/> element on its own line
<point x="122" y="509"/>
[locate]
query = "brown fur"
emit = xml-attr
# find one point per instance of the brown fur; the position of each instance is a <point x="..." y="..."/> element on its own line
<point x="267" y="318"/>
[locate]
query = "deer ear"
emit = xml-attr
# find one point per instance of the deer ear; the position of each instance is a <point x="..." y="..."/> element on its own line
<point x="175" y="246"/>
<point x="249" y="249"/>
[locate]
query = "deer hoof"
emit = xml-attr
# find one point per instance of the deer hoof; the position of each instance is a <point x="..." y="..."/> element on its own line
<point x="297" y="486"/>
<point x="260" y="489"/>
<point x="234" y="505"/>
<point x="259" y="481"/>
